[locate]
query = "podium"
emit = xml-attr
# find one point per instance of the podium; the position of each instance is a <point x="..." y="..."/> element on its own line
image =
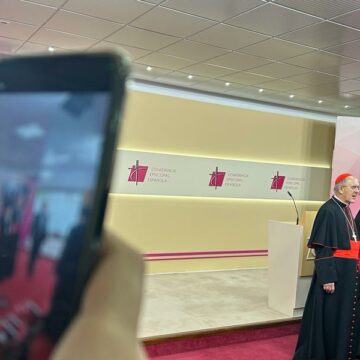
<point x="289" y="279"/>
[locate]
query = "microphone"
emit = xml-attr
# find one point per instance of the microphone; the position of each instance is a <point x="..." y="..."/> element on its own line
<point x="297" y="213"/>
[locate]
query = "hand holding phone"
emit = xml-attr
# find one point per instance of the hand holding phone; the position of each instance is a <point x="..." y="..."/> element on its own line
<point x="106" y="326"/>
<point x="59" y="124"/>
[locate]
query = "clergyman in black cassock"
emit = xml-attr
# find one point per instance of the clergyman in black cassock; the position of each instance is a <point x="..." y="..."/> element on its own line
<point x="330" y="328"/>
<point x="39" y="233"/>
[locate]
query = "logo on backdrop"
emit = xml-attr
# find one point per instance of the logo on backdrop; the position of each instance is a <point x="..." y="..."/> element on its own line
<point x="277" y="182"/>
<point x="137" y="173"/>
<point x="217" y="178"/>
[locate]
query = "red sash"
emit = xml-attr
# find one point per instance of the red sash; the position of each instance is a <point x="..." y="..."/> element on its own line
<point x="352" y="253"/>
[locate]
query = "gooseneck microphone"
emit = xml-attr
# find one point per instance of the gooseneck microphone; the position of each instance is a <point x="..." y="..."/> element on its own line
<point x="297" y="213"/>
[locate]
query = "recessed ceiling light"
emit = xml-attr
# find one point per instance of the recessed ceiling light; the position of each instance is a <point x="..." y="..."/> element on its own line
<point x="51" y="49"/>
<point x="320" y="101"/>
<point x="227" y="84"/>
<point x="190" y="77"/>
<point x="261" y="90"/>
<point x="347" y="106"/>
<point x="291" y="96"/>
<point x="148" y="68"/>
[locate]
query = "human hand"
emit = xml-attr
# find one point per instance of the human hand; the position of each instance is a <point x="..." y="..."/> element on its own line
<point x="329" y="288"/>
<point x="106" y="326"/>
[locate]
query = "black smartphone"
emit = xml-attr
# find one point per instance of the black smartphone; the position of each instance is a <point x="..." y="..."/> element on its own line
<point x="59" y="121"/>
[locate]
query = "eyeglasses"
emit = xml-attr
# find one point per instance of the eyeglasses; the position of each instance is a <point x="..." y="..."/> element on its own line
<point x="353" y="187"/>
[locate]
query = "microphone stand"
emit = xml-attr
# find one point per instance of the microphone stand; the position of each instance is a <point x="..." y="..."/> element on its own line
<point x="297" y="213"/>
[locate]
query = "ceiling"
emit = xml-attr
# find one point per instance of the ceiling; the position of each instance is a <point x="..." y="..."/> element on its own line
<point x="299" y="53"/>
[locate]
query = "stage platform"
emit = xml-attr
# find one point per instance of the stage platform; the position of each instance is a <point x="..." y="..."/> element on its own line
<point x="197" y="302"/>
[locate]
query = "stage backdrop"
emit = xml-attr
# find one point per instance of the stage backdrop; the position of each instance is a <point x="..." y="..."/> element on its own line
<point x="202" y="232"/>
<point x="347" y="150"/>
<point x="148" y="173"/>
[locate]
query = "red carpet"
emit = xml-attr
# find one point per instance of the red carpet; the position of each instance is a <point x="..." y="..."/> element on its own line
<point x="26" y="297"/>
<point x="40" y="285"/>
<point x="275" y="342"/>
<point x="281" y="348"/>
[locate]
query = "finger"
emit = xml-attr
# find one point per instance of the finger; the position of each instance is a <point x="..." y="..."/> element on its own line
<point x="120" y="268"/>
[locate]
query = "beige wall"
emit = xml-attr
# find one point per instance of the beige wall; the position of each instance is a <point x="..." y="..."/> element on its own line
<point x="157" y="123"/>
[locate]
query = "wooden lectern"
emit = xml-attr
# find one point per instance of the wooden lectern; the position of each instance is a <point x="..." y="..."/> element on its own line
<point x="290" y="264"/>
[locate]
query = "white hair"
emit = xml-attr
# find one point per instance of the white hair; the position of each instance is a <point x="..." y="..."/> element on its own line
<point x="340" y="184"/>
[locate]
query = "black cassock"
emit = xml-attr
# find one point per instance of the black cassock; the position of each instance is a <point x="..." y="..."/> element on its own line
<point x="330" y="327"/>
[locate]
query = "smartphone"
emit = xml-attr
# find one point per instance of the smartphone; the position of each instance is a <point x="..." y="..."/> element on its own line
<point x="59" y="123"/>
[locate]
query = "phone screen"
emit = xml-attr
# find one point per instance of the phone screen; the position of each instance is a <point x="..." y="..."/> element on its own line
<point x="51" y="146"/>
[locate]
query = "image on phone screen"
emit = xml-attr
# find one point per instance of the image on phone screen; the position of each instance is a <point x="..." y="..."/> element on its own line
<point x="50" y="152"/>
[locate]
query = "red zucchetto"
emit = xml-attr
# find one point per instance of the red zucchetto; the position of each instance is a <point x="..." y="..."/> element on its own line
<point x="342" y="177"/>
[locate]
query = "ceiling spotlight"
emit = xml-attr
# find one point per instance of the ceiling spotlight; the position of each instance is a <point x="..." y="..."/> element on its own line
<point x="148" y="68"/>
<point x="291" y="96"/>
<point x="227" y="84"/>
<point x="190" y="77"/>
<point x="51" y="49"/>
<point x="320" y="101"/>
<point x="347" y="106"/>
<point x="261" y="90"/>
